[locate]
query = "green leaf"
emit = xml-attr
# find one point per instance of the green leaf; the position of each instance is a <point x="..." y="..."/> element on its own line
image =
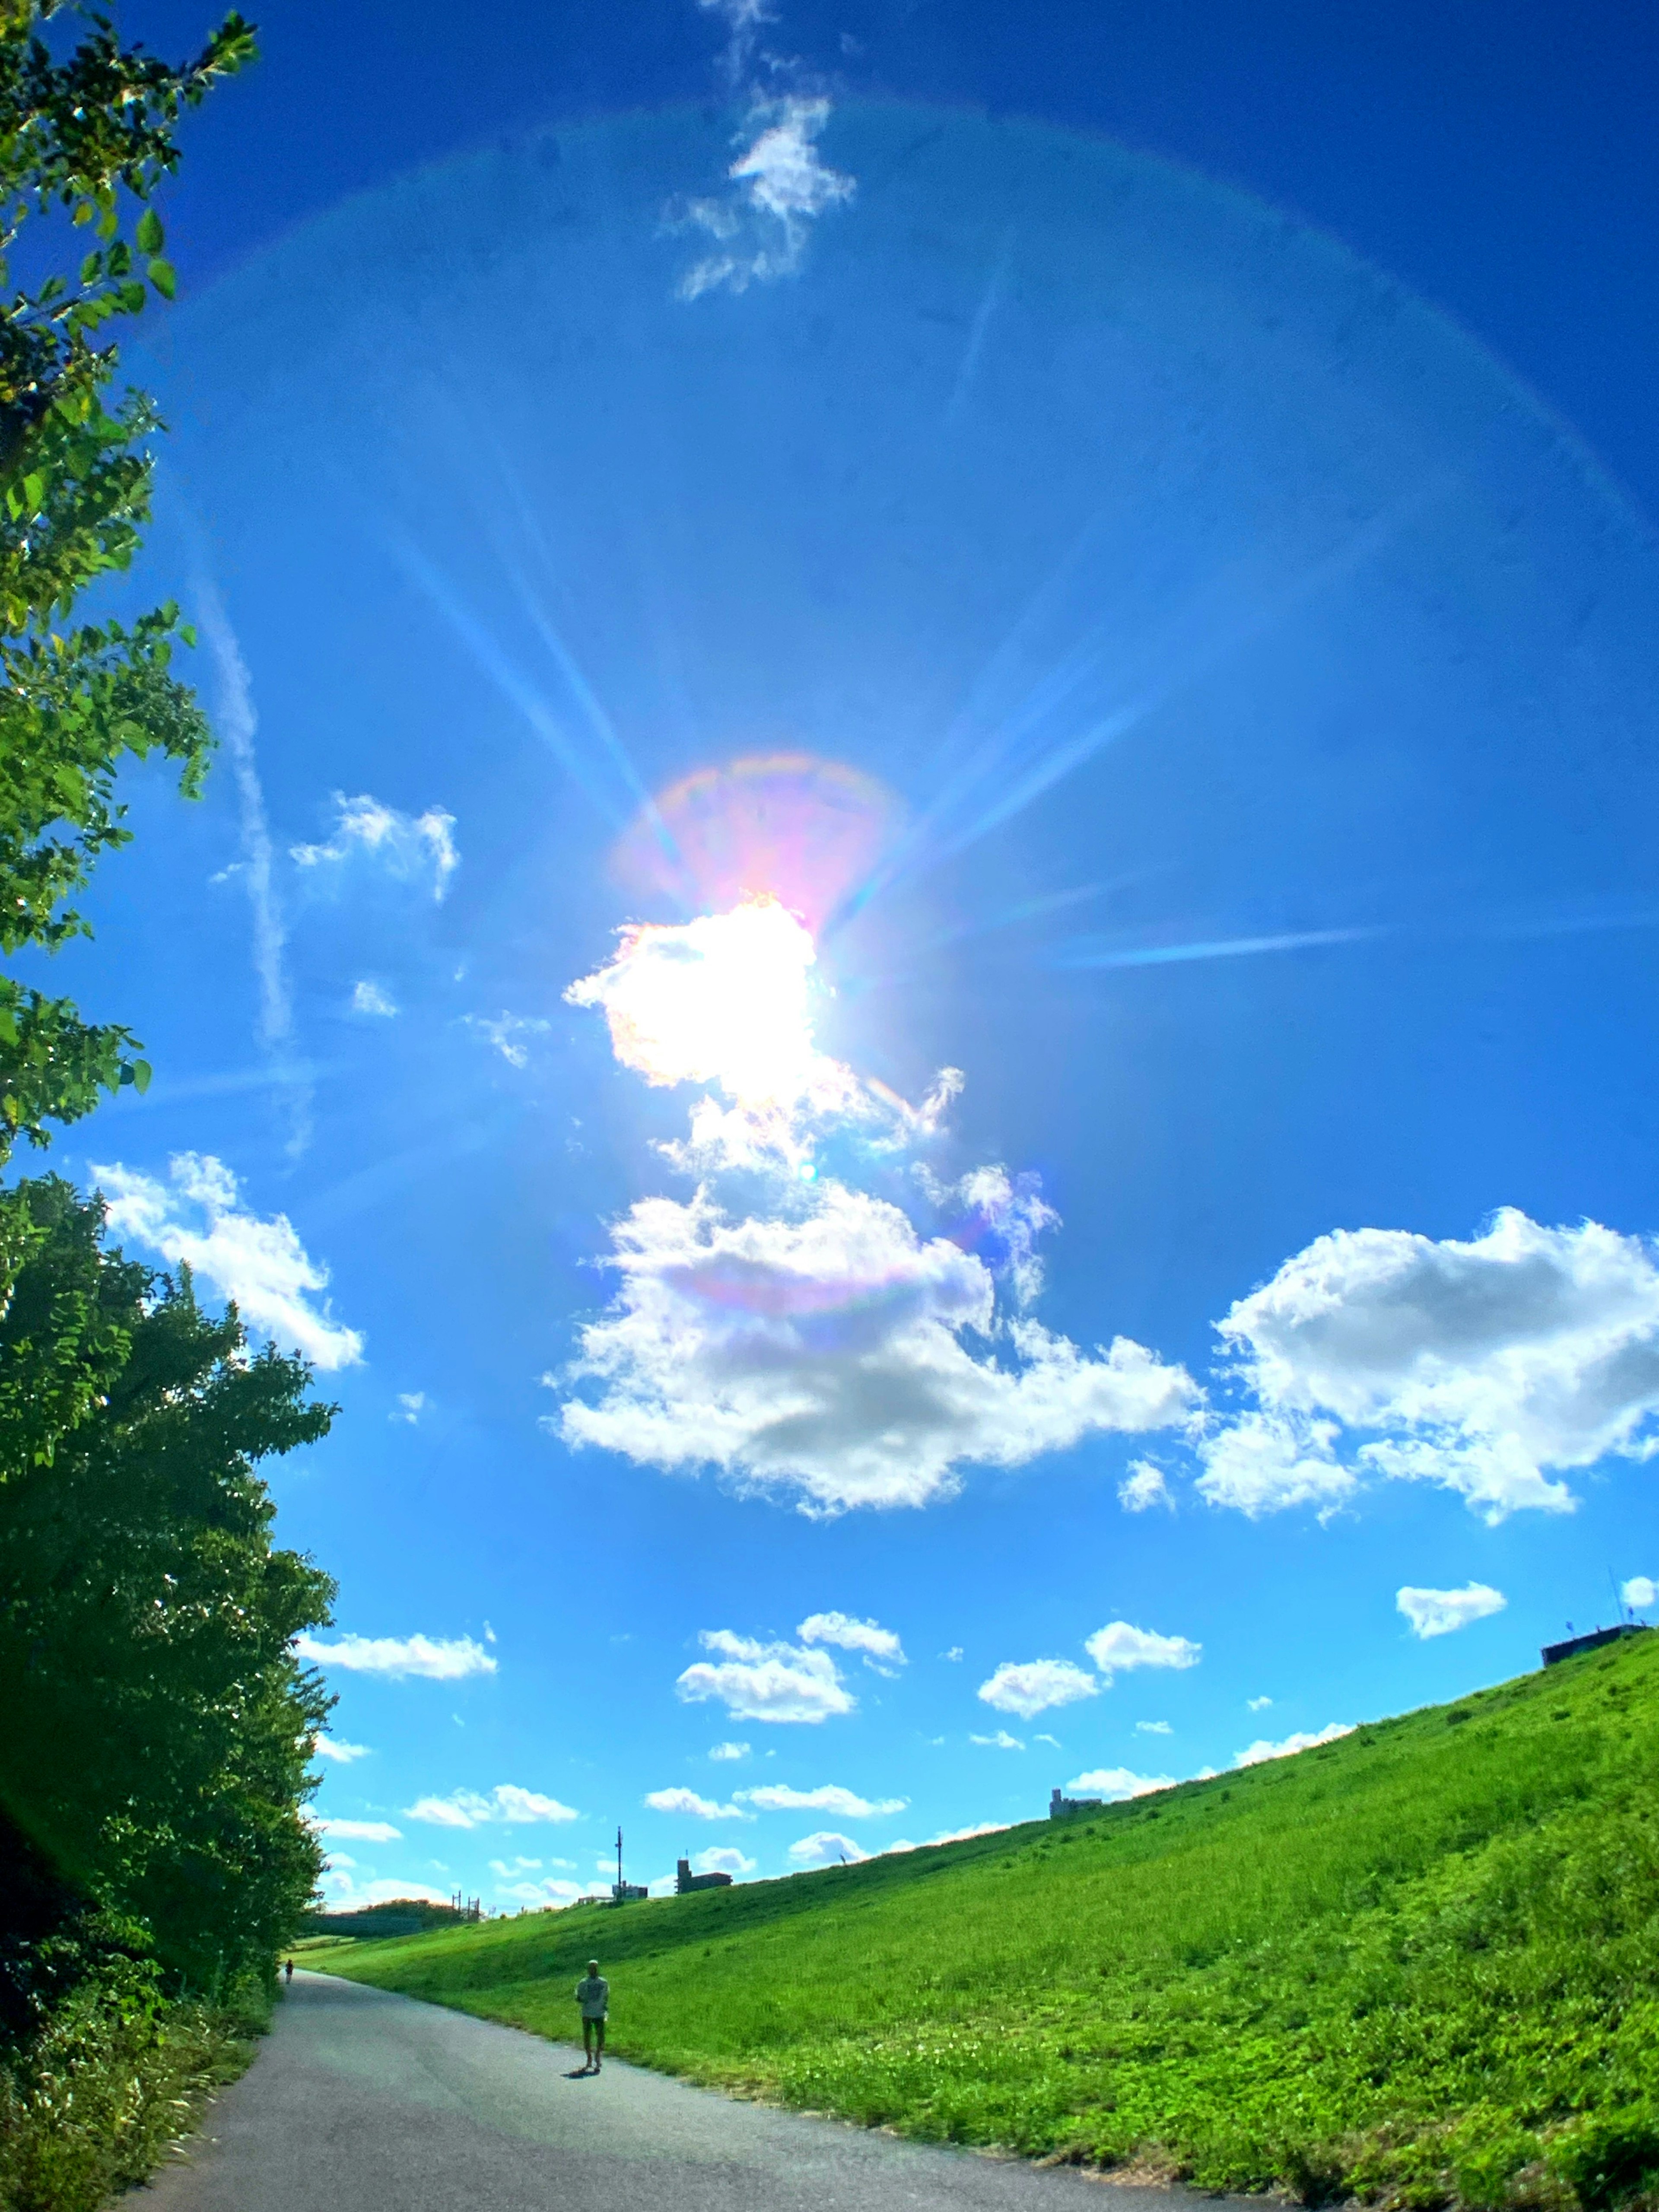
<point x="132" y="297"/>
<point x="92" y="268"/>
<point x="162" y="275"/>
<point x="149" y="233"/>
<point x="34" y="491"/>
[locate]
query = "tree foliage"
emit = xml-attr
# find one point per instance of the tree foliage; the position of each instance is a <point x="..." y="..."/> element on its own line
<point x="158" y="1726"/>
<point x="85" y="143"/>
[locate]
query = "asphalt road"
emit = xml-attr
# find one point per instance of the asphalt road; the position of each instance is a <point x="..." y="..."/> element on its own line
<point x="364" y="2102"/>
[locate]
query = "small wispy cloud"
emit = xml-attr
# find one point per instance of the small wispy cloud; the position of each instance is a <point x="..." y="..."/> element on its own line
<point x="370" y="998"/>
<point x="435" y="1658"/>
<point x="828" y="1798"/>
<point x="512" y="1035"/>
<point x="729" y="1751"/>
<point x="1258" y="1754"/>
<point x="778" y="185"/>
<point x="417" y="848"/>
<point x="1441" y="1612"/>
<point x="692" y="1806"/>
<point x="879" y="1647"/>
<point x="336" y="1749"/>
<point x="410" y="1404"/>
<point x="1143" y="1487"/>
<point x="1153" y="1728"/>
<point x="1000" y="1741"/>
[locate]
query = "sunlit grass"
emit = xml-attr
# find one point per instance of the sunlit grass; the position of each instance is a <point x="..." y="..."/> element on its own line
<point x="1420" y="1964"/>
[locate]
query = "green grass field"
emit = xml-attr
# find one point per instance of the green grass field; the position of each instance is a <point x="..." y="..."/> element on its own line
<point x="1420" y="1966"/>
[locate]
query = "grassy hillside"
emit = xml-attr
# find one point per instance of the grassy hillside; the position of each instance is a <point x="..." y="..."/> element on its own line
<point x="1420" y="1966"/>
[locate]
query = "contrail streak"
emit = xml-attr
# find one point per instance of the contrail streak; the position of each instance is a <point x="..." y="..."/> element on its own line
<point x="237" y="723"/>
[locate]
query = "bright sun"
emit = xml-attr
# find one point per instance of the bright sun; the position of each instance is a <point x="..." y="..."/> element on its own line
<point x="723" y="1000"/>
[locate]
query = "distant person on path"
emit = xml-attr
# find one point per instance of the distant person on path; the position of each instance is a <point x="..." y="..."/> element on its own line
<point x="287" y="1971"/>
<point x="593" y="1996"/>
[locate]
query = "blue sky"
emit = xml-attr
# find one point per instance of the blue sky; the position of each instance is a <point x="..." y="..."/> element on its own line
<point x="1092" y="553"/>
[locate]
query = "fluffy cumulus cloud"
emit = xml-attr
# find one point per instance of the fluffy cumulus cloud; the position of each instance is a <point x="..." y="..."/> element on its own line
<point x="760" y="1681"/>
<point x="412" y="848"/>
<point x="1117" y="1784"/>
<point x="723" y="1752"/>
<point x="721" y="1858"/>
<point x="1119" y="1649"/>
<point x="826" y="1353"/>
<point x="1439" y="1612"/>
<point x="1031" y="1687"/>
<point x="344" y="1894"/>
<point x="1639" y="1593"/>
<point x="829" y="1797"/>
<point x="826" y="1346"/>
<point x="827" y="1847"/>
<point x="337" y="1751"/>
<point x="694" y="1807"/>
<point x="435" y="1658"/>
<point x="1493" y="1367"/>
<point x="879" y="1647"/>
<point x="1255" y="1754"/>
<point x="1143" y="1486"/>
<point x="507" y="1804"/>
<point x="197" y="1217"/>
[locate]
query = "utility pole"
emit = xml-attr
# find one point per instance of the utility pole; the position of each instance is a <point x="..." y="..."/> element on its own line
<point x="619" y="1879"/>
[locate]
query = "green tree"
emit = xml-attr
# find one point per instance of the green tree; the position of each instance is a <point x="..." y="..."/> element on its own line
<point x="85" y="142"/>
<point x="157" y="1725"/>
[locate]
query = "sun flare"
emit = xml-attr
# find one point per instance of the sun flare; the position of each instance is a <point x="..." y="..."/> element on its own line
<point x="725" y="999"/>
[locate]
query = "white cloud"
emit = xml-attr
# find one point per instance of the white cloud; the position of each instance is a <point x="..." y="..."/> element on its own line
<point x="695" y="1808"/>
<point x="1262" y="1463"/>
<point x="1490" y="1367"/>
<point x="954" y="1653"/>
<point x="509" y="1868"/>
<point x="825" y="1354"/>
<point x="1257" y="1754"/>
<point x="1143" y="1486"/>
<point x="344" y="1894"/>
<point x="411" y="1404"/>
<point x="826" y="1848"/>
<point x="435" y="1658"/>
<point x="512" y="1035"/>
<point x="1117" y="1784"/>
<point x="1153" y="1728"/>
<point x="1439" y="1612"/>
<point x="1257" y="1704"/>
<point x="727" y="1751"/>
<point x="369" y="998"/>
<point x="829" y="1797"/>
<point x="721" y="1858"/>
<point x="759" y="232"/>
<point x="1639" y="1593"/>
<point x="338" y="1750"/>
<point x="880" y="1647"/>
<point x="964" y="1835"/>
<point x="758" y="1681"/>
<point x="412" y="848"/>
<point x="541" y="1894"/>
<point x="1118" y="1648"/>
<point x="506" y="1802"/>
<point x="1000" y="1741"/>
<point x="260" y="1264"/>
<point x="1052" y="1740"/>
<point x="360" y="1832"/>
<point x="1031" y="1686"/>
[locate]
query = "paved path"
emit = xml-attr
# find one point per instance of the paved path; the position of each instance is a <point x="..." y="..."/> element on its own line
<point x="360" y="2101"/>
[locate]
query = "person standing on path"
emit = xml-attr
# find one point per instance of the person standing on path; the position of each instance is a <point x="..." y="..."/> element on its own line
<point x="593" y="1996"/>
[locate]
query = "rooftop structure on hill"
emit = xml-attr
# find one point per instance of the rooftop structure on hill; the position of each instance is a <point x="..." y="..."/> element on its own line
<point x="1554" y="1653"/>
<point x="685" y="1881"/>
<point x="1059" y="1806"/>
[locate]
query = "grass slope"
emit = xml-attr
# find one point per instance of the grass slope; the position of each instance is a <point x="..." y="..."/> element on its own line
<point x="1420" y="1966"/>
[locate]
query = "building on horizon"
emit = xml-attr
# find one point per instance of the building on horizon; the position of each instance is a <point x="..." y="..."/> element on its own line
<point x="685" y="1881"/>
<point x="1059" y="1807"/>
